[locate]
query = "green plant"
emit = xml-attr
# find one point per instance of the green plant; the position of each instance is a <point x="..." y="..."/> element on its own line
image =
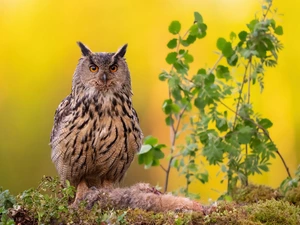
<point x="199" y="106"/>
<point x="290" y="182"/>
<point x="6" y="201"/>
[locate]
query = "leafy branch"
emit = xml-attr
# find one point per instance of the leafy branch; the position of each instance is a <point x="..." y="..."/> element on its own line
<point x="236" y="140"/>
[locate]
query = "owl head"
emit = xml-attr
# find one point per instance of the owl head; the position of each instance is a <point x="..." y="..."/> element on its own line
<point x="102" y="72"/>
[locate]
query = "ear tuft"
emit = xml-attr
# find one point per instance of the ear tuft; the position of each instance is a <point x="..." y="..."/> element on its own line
<point x="121" y="52"/>
<point x="84" y="50"/>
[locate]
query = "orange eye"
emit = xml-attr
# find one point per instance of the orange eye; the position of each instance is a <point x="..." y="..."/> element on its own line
<point x="113" y="68"/>
<point x="94" y="68"/>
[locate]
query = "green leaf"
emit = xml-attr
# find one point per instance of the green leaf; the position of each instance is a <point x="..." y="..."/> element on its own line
<point x="158" y="154"/>
<point x="148" y="160"/>
<point x="198" y="17"/>
<point x="265" y="123"/>
<point x="222" y="72"/>
<point x="175" y="108"/>
<point x="279" y="30"/>
<point x="199" y="103"/>
<point x="232" y="36"/>
<point x="192" y="167"/>
<point x="169" y="120"/>
<point x="184" y="43"/>
<point x="190" y="39"/>
<point x="203" y="136"/>
<point x="150" y="140"/>
<point x="221" y="124"/>
<point x="176" y="93"/>
<point x="172" y="43"/>
<point x="194" y="30"/>
<point x="232" y="60"/>
<point x="227" y="49"/>
<point x="252" y="25"/>
<point x="145" y="149"/>
<point x="188" y="58"/>
<point x="180" y="67"/>
<point x="181" y="51"/>
<point x="244" y="138"/>
<point x="221" y="43"/>
<point x="173" y="82"/>
<point x="167" y="106"/>
<point x="171" y="57"/>
<point x="246" y="129"/>
<point x="202" y="177"/>
<point x="261" y="49"/>
<point x="163" y="76"/>
<point x="201" y="71"/>
<point x="243" y="35"/>
<point x="264" y="167"/>
<point x="202" y="30"/>
<point x="209" y="80"/>
<point x="175" y="164"/>
<point x="273" y="23"/>
<point x="174" y="27"/>
<point x="213" y="153"/>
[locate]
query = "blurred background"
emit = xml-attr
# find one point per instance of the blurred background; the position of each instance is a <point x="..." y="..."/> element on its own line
<point x="38" y="55"/>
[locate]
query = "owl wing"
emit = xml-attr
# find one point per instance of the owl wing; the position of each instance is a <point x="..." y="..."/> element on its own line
<point x="61" y="112"/>
<point x="135" y="115"/>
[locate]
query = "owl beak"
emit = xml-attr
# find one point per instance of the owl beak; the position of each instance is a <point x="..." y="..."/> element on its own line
<point x="104" y="78"/>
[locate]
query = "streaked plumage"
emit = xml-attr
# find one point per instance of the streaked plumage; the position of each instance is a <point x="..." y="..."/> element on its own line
<point x="96" y="131"/>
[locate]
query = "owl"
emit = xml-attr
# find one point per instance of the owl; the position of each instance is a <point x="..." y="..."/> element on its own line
<point x="96" y="131"/>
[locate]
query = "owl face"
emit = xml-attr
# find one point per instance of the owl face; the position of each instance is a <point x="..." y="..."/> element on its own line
<point x="102" y="72"/>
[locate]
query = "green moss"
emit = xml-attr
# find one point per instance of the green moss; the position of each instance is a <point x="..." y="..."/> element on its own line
<point x="273" y="212"/>
<point x="254" y="193"/>
<point x="49" y="204"/>
<point x="293" y="196"/>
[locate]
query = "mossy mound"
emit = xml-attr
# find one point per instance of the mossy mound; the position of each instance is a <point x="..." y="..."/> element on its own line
<point x="49" y="204"/>
<point x="254" y="193"/>
<point x="274" y="212"/>
<point x="293" y="196"/>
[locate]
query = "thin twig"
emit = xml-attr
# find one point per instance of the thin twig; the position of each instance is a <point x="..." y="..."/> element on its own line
<point x="240" y="93"/>
<point x="173" y="130"/>
<point x="265" y="133"/>
<point x="173" y="140"/>
<point x="268" y="10"/>
<point x="168" y="174"/>
<point x="180" y="117"/>
<point x="248" y="101"/>
<point x="249" y="81"/>
<point x="246" y="171"/>
<point x="163" y="168"/>
<point x="215" y="65"/>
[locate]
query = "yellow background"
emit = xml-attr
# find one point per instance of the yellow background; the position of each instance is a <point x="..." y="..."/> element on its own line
<point x="38" y="55"/>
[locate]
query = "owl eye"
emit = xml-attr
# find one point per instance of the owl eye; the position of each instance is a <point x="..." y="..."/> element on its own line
<point x="113" y="68"/>
<point x="94" y="68"/>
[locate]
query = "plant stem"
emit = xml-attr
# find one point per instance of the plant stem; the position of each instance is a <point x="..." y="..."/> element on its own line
<point x="246" y="170"/>
<point x="163" y="168"/>
<point x="240" y="93"/>
<point x="248" y="102"/>
<point x="215" y="65"/>
<point x="174" y="132"/>
<point x="268" y="10"/>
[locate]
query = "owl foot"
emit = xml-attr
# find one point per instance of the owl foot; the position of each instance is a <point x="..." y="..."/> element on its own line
<point x="82" y="188"/>
<point x="91" y="197"/>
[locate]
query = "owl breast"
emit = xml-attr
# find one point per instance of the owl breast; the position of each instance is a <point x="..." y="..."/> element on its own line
<point x="97" y="140"/>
